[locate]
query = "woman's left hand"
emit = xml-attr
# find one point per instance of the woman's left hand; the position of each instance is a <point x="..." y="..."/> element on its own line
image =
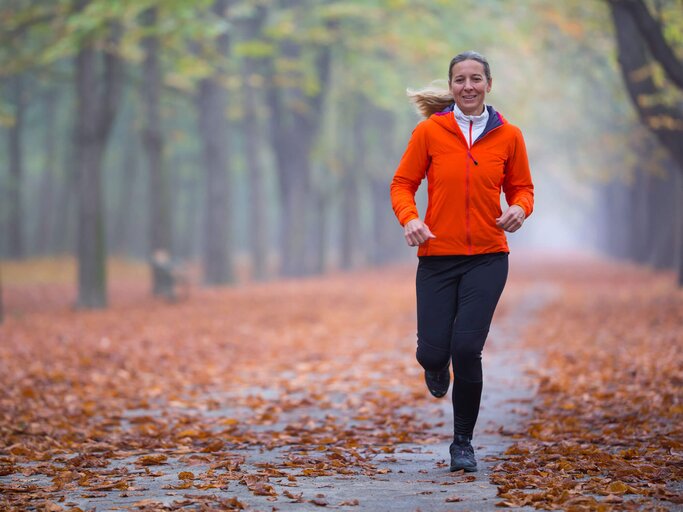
<point x="512" y="219"/>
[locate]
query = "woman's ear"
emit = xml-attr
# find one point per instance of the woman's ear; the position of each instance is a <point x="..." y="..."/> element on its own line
<point x="488" y="87"/>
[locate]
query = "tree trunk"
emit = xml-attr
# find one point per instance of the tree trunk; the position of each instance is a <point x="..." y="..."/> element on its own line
<point x="350" y="220"/>
<point x="295" y="194"/>
<point x="384" y="229"/>
<point x="2" y="304"/>
<point x="640" y="212"/>
<point x="664" y="121"/>
<point x="664" y="236"/>
<point x="292" y="146"/>
<point x="606" y="205"/>
<point x="187" y="193"/>
<point x="15" y="150"/>
<point x="618" y="235"/>
<point x="213" y="127"/>
<point x="89" y="150"/>
<point x="48" y="184"/>
<point x="678" y="223"/>
<point x="159" y="227"/>
<point x="214" y="132"/>
<point x="252" y="75"/>
<point x="294" y="126"/>
<point x="652" y="34"/>
<point x="65" y="222"/>
<point x="386" y="234"/>
<point x="97" y="100"/>
<point x="351" y="225"/>
<point x="123" y="242"/>
<point x="317" y="251"/>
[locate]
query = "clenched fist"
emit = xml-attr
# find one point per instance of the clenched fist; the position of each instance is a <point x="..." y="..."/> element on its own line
<point x="512" y="219"/>
<point x="416" y="232"/>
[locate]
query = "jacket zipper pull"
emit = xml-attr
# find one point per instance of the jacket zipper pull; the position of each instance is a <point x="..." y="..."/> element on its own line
<point x="469" y="153"/>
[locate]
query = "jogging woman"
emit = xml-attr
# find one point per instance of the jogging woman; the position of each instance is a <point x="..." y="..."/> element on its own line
<point x="469" y="153"/>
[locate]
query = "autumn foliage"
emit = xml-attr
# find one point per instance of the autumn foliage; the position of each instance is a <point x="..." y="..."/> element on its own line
<point x="257" y="387"/>
<point x="607" y="430"/>
<point x="312" y="372"/>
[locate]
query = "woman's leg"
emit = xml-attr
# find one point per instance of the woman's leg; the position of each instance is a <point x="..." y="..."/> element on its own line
<point x="437" y="289"/>
<point x="478" y="294"/>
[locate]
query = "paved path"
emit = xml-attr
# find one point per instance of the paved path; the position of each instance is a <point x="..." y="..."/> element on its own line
<point x="414" y="477"/>
<point x="417" y="476"/>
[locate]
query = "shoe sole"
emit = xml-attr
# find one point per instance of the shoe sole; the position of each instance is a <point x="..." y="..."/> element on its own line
<point x="437" y="394"/>
<point x="468" y="469"/>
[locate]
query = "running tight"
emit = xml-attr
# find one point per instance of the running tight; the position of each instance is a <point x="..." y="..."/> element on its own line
<point x="456" y="298"/>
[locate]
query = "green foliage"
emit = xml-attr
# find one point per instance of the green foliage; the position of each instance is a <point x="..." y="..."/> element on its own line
<point x="554" y="67"/>
<point x="254" y="49"/>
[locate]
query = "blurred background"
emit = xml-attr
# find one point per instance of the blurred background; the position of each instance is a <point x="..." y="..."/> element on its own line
<point x="251" y="140"/>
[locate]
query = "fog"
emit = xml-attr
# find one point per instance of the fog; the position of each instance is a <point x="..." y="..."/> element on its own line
<point x="258" y="141"/>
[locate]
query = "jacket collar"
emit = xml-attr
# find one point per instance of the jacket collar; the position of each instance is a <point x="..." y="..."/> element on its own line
<point x="446" y="120"/>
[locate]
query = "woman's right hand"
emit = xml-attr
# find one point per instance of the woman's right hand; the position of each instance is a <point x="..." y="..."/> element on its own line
<point x="416" y="232"/>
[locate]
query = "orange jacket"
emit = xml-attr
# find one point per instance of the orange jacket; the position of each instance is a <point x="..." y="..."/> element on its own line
<point x="464" y="185"/>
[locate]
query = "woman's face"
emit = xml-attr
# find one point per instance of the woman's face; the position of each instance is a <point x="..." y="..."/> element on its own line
<point x="469" y="86"/>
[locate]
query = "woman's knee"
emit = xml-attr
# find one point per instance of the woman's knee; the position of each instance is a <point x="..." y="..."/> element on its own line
<point x="430" y="357"/>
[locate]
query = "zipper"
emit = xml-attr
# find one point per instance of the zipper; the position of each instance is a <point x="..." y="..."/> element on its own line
<point x="468" y="228"/>
<point x="469" y="147"/>
<point x="470" y="156"/>
<point x="467" y="193"/>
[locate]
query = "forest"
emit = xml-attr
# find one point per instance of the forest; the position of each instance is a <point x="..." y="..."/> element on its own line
<point x="256" y="139"/>
<point x="207" y="302"/>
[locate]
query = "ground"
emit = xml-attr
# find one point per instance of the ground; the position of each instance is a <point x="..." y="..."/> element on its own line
<point x="294" y="395"/>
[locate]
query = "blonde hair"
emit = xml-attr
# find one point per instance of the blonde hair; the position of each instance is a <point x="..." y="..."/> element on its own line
<point x="430" y="99"/>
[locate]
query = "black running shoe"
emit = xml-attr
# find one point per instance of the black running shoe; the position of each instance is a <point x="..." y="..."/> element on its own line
<point x="462" y="454"/>
<point x="438" y="382"/>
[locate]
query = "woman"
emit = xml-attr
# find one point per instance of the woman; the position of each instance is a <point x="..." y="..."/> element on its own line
<point x="468" y="152"/>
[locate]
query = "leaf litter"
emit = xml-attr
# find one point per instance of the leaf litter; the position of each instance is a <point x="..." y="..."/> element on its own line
<point x="319" y="376"/>
<point x="607" y="427"/>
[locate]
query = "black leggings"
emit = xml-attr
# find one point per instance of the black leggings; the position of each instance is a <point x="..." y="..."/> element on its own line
<point x="456" y="298"/>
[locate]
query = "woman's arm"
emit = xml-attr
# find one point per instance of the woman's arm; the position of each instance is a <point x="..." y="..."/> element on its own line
<point x="410" y="172"/>
<point x="517" y="186"/>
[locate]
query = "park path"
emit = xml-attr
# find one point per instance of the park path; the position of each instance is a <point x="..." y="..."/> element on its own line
<point x="288" y="396"/>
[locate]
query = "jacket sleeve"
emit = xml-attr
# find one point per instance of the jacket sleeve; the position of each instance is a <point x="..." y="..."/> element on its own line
<point x="410" y="172"/>
<point x="517" y="185"/>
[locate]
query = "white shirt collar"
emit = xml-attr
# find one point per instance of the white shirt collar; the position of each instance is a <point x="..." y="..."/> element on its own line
<point x="478" y="123"/>
<point x="475" y="119"/>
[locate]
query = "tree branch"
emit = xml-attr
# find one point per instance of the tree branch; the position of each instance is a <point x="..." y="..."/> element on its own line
<point x="652" y="34"/>
<point x="664" y="121"/>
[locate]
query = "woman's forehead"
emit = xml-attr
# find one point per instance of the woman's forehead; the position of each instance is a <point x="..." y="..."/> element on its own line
<point x="468" y="67"/>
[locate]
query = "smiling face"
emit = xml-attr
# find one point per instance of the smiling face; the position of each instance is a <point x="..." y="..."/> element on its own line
<point x="469" y="86"/>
